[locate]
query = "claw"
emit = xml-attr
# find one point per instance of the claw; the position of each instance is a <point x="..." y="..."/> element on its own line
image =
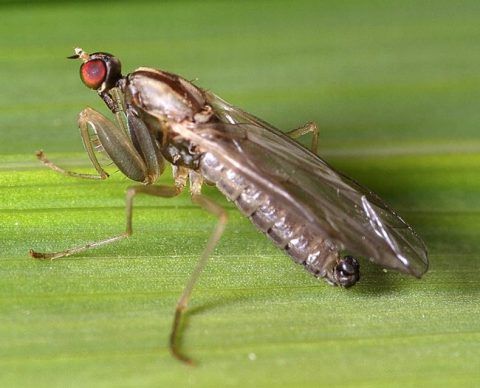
<point x="39" y="255"/>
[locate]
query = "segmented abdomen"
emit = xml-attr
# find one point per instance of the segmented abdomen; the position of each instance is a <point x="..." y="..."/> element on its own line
<point x="288" y="231"/>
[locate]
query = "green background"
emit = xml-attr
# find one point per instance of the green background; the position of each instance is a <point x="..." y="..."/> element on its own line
<point x="395" y="89"/>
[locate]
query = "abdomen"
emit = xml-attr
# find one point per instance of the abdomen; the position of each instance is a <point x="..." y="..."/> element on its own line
<point x="288" y="231"/>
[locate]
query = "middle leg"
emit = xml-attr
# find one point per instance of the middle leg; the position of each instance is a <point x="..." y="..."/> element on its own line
<point x="159" y="191"/>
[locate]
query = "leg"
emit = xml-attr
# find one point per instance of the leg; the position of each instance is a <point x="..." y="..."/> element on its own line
<point x="97" y="120"/>
<point x="159" y="191"/>
<point x="114" y="141"/>
<point x="215" y="209"/>
<point x="43" y="158"/>
<point x="309" y="127"/>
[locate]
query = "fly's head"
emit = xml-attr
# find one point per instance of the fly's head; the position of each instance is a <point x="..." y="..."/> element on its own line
<point x="99" y="71"/>
<point x="346" y="272"/>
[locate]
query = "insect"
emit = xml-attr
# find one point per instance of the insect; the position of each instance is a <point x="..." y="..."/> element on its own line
<point x="312" y="212"/>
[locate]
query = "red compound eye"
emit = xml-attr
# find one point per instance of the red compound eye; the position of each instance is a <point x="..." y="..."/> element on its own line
<point x="93" y="73"/>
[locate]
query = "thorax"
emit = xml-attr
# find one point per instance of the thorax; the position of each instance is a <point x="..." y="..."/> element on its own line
<point x="160" y="98"/>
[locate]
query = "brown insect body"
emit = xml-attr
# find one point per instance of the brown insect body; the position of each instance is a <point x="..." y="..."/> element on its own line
<point x="170" y="98"/>
<point x="299" y="201"/>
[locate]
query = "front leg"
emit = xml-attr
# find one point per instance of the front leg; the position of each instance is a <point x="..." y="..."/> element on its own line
<point x="97" y="121"/>
<point x="111" y="138"/>
<point x="102" y="174"/>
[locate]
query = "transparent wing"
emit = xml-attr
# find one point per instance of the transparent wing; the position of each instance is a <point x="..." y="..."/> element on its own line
<point x="334" y="205"/>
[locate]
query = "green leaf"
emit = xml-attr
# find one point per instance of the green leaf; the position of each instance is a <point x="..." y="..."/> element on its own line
<point x="394" y="87"/>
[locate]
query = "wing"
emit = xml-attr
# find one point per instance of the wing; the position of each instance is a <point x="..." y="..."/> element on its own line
<point x="340" y="209"/>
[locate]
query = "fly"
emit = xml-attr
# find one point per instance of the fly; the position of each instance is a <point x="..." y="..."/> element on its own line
<point x="307" y="208"/>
